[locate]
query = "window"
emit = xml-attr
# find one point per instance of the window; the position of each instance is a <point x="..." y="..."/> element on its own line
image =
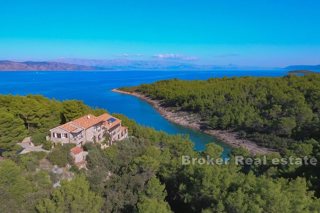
<point x="66" y="135"/>
<point x="58" y="135"/>
<point x="54" y="135"/>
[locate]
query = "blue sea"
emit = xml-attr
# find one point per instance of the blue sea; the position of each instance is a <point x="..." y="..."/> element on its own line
<point x="94" y="88"/>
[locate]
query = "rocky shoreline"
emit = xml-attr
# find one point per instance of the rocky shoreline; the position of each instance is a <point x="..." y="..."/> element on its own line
<point x="193" y="121"/>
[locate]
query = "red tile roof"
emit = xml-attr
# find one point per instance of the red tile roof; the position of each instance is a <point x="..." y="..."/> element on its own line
<point x="76" y="150"/>
<point x="69" y="127"/>
<point x="88" y="121"/>
<point x="104" y="117"/>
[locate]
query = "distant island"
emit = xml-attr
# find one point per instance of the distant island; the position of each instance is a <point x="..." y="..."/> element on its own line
<point x="43" y="66"/>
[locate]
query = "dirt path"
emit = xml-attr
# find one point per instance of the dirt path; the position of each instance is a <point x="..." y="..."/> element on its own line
<point x="193" y="121"/>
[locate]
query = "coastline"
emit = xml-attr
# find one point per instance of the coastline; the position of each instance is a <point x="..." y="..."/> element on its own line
<point x="193" y="121"/>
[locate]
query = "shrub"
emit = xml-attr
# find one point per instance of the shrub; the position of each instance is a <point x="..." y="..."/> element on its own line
<point x="60" y="155"/>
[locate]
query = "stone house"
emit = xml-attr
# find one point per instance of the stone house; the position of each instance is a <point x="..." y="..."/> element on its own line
<point x="89" y="128"/>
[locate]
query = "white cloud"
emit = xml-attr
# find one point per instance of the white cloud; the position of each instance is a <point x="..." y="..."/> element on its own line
<point x="172" y="56"/>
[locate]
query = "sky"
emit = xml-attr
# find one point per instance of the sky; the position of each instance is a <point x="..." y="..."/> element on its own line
<point x="264" y="33"/>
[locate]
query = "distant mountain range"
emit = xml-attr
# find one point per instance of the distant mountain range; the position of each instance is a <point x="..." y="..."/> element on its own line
<point x="141" y="65"/>
<point x="129" y="65"/>
<point x="112" y="65"/>
<point x="155" y="65"/>
<point x="42" y="66"/>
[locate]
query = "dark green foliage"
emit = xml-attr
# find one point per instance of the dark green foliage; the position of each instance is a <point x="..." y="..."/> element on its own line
<point x="153" y="199"/>
<point x="281" y="113"/>
<point x="134" y="165"/>
<point x="287" y="107"/>
<point x="36" y="112"/>
<point x="19" y="190"/>
<point x="30" y="161"/>
<point x="39" y="138"/>
<point x="121" y="172"/>
<point x="34" y="115"/>
<point x="73" y="109"/>
<point x="12" y="130"/>
<point x="73" y="196"/>
<point x="125" y="173"/>
<point x="144" y="173"/>
<point x="60" y="155"/>
<point x="302" y="72"/>
<point x="14" y="187"/>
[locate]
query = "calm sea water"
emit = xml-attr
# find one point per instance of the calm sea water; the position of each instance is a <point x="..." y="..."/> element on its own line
<point x="94" y="88"/>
